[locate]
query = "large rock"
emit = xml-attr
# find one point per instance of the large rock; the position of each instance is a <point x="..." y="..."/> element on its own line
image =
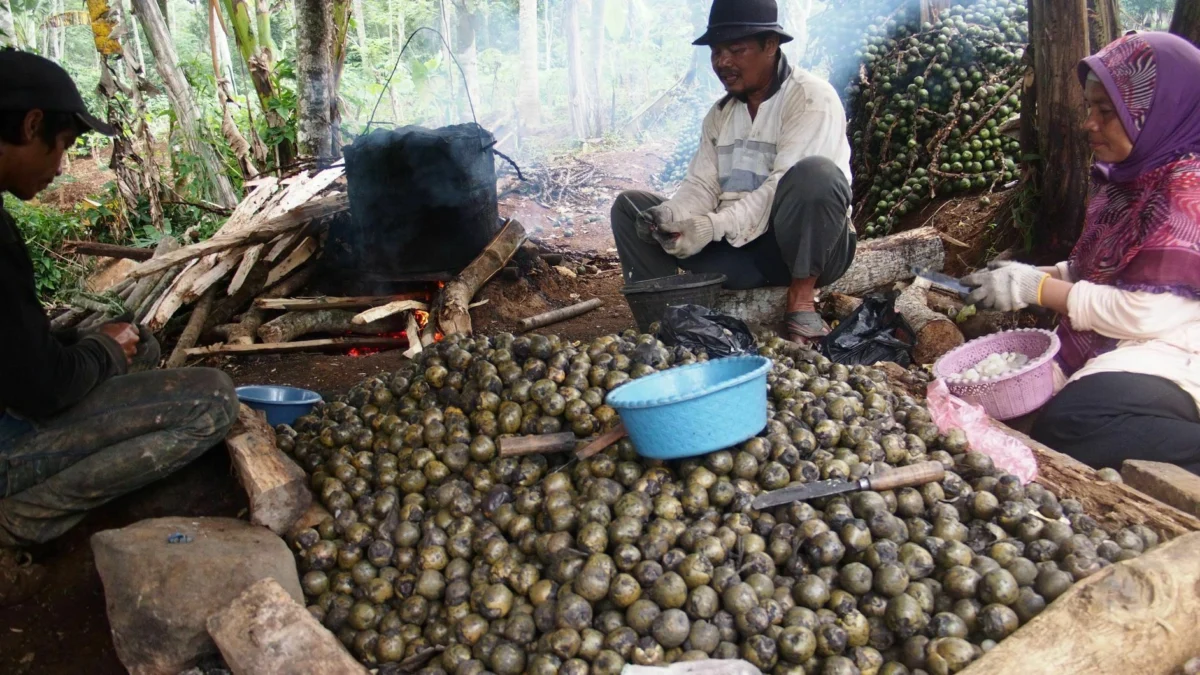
<point x="160" y="594"/>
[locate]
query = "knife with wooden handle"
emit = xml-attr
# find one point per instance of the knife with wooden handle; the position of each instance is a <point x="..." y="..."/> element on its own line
<point x="906" y="476"/>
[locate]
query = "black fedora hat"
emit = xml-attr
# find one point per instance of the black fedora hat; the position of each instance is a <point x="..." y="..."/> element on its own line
<point x="737" y="19"/>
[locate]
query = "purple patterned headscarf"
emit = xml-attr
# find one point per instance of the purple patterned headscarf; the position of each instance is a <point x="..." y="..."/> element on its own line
<point x="1143" y="219"/>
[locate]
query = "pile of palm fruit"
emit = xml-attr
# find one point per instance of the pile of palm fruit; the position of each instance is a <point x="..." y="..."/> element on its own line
<point x="439" y="546"/>
<point x="926" y="101"/>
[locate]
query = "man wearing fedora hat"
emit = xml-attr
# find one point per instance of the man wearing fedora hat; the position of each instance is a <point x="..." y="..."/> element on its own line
<point x="766" y="201"/>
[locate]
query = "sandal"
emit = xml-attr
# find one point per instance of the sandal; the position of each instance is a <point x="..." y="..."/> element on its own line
<point x="806" y="328"/>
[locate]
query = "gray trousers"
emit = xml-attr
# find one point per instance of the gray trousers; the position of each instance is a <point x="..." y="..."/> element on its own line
<point x="808" y="235"/>
<point x="129" y="432"/>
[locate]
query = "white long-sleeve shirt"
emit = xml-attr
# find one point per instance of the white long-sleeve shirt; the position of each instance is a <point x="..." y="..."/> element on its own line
<point x="1158" y="333"/>
<point x="735" y="172"/>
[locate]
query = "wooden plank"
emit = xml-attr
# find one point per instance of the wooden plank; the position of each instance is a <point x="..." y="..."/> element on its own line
<point x="1139" y="616"/>
<point x="250" y="206"/>
<point x="295" y="259"/>
<point x="277" y="487"/>
<point x="274" y="227"/>
<point x="382" y="312"/>
<point x="265" y="631"/>
<point x="249" y="260"/>
<point x="319" y="303"/>
<point x="330" y="344"/>
<point x="171" y="299"/>
<point x="278" y="248"/>
<point x="1113" y="504"/>
<point x="1167" y="483"/>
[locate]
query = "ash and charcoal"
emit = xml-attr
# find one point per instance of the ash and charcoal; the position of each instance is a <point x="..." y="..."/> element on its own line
<point x="543" y="565"/>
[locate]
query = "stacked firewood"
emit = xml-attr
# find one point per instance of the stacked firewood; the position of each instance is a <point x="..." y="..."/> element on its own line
<point x="242" y="284"/>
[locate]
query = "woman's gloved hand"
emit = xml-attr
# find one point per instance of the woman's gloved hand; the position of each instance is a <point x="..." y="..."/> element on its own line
<point x="684" y="239"/>
<point x="1006" y="286"/>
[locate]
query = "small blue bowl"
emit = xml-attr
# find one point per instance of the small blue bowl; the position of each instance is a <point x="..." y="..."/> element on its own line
<point x="281" y="404"/>
<point x="697" y="409"/>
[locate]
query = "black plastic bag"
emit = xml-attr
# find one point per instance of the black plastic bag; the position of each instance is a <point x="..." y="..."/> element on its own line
<point x="697" y="327"/>
<point x="874" y="332"/>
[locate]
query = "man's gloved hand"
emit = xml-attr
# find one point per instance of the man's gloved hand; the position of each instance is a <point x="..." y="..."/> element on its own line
<point x="1006" y="286"/>
<point x="685" y="239"/>
<point x="149" y="352"/>
<point x="650" y="220"/>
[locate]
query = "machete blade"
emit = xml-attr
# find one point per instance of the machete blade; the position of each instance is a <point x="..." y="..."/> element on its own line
<point x="804" y="492"/>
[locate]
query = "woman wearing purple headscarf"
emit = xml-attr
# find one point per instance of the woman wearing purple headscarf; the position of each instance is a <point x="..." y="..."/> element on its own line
<point x="1130" y="294"/>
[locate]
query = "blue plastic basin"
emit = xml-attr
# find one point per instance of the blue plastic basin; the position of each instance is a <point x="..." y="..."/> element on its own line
<point x="696" y="409"/>
<point x="281" y="404"/>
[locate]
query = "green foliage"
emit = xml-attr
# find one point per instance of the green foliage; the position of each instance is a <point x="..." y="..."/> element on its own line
<point x="44" y="229"/>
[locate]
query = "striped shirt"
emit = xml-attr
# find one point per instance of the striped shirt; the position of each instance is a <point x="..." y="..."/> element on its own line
<point x="735" y="172"/>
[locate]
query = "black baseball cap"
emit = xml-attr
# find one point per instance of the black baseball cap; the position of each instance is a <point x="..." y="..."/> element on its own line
<point x="31" y="82"/>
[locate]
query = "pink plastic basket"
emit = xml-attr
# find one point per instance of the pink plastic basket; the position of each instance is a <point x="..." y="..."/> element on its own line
<point x="1013" y="394"/>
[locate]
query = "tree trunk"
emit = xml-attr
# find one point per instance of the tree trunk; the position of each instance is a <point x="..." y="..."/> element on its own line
<point x="529" y="90"/>
<point x="1059" y="30"/>
<point x="1186" y="21"/>
<point x="53" y="51"/>
<point x="699" y="16"/>
<point x="314" y="74"/>
<point x="225" y="94"/>
<point x="1104" y="23"/>
<point x="360" y="26"/>
<point x="132" y="159"/>
<point x="262" y="18"/>
<point x="549" y="38"/>
<point x="578" y="100"/>
<point x="595" y="69"/>
<point x="166" y="62"/>
<point x="468" y="52"/>
<point x="258" y="58"/>
<point x="342" y="15"/>
<point x="8" y="32"/>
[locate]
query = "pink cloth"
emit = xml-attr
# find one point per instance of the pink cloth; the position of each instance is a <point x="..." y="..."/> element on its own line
<point x="1007" y="453"/>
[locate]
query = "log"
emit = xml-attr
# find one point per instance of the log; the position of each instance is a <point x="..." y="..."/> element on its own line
<point x="943" y="302"/>
<point x="292" y="325"/>
<point x="187" y="290"/>
<point x="1115" y="505"/>
<point x="272" y="228"/>
<point x="68" y="319"/>
<point x="1139" y="616"/>
<point x="277" y="487"/>
<point x="330" y="344"/>
<point x="377" y="313"/>
<point x="1167" y="483"/>
<point x="293" y="261"/>
<point x="840" y="306"/>
<point x="517" y="446"/>
<point x="455" y="315"/>
<point x="884" y="261"/>
<point x="314" y="304"/>
<point x="557" y="315"/>
<point x="265" y="631"/>
<point x="95" y="248"/>
<point x="246" y="330"/>
<point x="936" y="334"/>
<point x="191" y="332"/>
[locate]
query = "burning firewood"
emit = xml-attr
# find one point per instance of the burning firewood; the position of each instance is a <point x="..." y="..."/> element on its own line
<point x="454" y="316"/>
<point x="326" y="345"/>
<point x="315" y="304"/>
<point x="377" y="313"/>
<point x="292" y="325"/>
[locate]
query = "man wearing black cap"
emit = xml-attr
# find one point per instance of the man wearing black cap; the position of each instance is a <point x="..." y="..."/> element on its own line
<point x="766" y="201"/>
<point x="76" y="428"/>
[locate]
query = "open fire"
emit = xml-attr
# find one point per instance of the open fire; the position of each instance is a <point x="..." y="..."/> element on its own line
<point x="422" y="319"/>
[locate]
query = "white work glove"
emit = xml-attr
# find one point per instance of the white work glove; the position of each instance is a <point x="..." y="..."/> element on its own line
<point x="650" y="220"/>
<point x="703" y="667"/>
<point x="1006" y="286"/>
<point x="684" y="239"/>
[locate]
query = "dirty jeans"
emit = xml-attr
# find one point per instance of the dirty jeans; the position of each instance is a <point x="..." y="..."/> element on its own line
<point x="807" y="236"/>
<point x="129" y="432"/>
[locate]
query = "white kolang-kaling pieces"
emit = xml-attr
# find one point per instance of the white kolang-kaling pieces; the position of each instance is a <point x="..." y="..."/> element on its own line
<point x="994" y="365"/>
